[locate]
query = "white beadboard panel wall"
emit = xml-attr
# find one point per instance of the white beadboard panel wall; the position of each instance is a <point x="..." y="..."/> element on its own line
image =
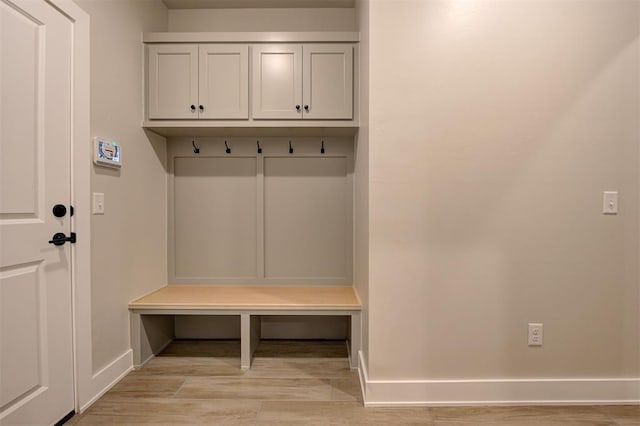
<point x="272" y="327"/>
<point x="270" y="218"/>
<point x="215" y="217"/>
<point x="207" y="326"/>
<point x="304" y="327"/>
<point x="307" y="216"/>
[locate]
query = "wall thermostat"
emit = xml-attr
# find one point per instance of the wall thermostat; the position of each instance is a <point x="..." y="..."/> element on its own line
<point x="107" y="153"/>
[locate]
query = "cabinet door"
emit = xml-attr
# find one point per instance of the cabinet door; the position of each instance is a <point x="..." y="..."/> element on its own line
<point x="277" y="81"/>
<point x="328" y="81"/>
<point x="224" y="81"/>
<point x="173" y="81"/>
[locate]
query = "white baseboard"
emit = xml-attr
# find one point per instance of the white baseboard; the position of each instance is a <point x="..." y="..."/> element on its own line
<point x="108" y="376"/>
<point x="363" y="375"/>
<point x="575" y="391"/>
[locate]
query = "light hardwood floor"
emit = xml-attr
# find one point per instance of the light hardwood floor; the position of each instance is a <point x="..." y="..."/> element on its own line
<point x="291" y="383"/>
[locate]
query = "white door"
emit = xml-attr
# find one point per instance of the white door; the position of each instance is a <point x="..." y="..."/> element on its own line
<point x="173" y="81"/>
<point x="36" y="364"/>
<point x="224" y="81"/>
<point x="328" y="81"/>
<point x="277" y="81"/>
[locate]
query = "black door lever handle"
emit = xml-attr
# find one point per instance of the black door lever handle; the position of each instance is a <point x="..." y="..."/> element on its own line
<point x="60" y="238"/>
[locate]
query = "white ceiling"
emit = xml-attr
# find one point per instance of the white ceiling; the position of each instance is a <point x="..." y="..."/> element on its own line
<point x="258" y="4"/>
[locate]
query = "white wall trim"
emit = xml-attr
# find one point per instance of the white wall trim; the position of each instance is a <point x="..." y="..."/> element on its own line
<point x="363" y="375"/>
<point x="560" y="391"/>
<point x="88" y="386"/>
<point x="252" y="37"/>
<point x="84" y="388"/>
<point x="108" y="376"/>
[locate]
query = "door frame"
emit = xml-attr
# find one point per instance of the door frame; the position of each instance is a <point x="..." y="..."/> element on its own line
<point x="80" y="199"/>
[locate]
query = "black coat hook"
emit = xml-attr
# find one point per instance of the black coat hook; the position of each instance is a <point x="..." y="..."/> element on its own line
<point x="196" y="150"/>
<point x="227" y="149"/>
<point x="322" y="148"/>
<point x="259" y="149"/>
<point x="290" y="148"/>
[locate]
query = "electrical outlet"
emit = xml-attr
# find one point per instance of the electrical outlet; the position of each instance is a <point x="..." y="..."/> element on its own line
<point x="535" y="334"/>
<point x="98" y="203"/>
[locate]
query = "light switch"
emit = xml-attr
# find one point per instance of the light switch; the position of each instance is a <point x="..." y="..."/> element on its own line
<point x="610" y="202"/>
<point x="98" y="203"/>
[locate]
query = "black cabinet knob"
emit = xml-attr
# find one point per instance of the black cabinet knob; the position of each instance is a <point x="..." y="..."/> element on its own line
<point x="201" y="108"/>
<point x="306" y="108"/>
<point x="297" y="107"/>
<point x="193" y="107"/>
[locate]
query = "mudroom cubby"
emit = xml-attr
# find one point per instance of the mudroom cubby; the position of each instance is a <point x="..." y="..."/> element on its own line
<point x="260" y="131"/>
<point x="281" y="216"/>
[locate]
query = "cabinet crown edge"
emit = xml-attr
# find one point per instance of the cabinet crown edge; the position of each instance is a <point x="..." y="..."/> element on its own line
<point x="252" y="37"/>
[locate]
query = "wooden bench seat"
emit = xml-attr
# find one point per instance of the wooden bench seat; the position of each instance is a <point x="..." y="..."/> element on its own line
<point x="250" y="303"/>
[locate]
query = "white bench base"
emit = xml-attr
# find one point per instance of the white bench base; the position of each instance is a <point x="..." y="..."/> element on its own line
<point x="152" y="315"/>
<point x="249" y="331"/>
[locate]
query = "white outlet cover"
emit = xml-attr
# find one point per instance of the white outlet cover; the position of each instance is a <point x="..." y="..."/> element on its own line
<point x="535" y="334"/>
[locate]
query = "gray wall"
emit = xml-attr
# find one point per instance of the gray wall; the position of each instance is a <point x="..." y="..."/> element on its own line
<point x="495" y="127"/>
<point x="340" y="19"/>
<point x="361" y="204"/>
<point x="129" y="241"/>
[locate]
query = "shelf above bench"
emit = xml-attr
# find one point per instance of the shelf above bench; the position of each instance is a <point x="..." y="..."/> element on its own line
<point x="290" y="128"/>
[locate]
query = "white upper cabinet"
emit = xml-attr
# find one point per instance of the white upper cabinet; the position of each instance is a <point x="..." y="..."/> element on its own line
<point x="310" y="81"/>
<point x="190" y="81"/>
<point x="224" y="81"/>
<point x="327" y="89"/>
<point x="173" y="81"/>
<point x="277" y="81"/>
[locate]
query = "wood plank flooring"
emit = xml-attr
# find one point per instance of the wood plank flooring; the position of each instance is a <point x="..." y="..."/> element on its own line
<point x="292" y="383"/>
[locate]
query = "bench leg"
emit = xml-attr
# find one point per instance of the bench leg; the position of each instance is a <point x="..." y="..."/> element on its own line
<point x="356" y="341"/>
<point x="249" y="338"/>
<point x="256" y="322"/>
<point x="135" y="324"/>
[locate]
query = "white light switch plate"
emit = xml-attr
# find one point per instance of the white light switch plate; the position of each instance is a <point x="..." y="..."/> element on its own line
<point x="610" y="202"/>
<point x="98" y="203"/>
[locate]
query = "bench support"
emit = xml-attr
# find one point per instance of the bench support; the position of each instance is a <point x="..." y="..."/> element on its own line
<point x="249" y="338"/>
<point x="355" y="341"/>
<point x="150" y="334"/>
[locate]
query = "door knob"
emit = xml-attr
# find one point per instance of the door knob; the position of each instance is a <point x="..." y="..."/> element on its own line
<point x="59" y="210"/>
<point x="60" y="238"/>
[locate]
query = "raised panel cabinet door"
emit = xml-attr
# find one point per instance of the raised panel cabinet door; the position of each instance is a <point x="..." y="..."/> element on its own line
<point x="224" y="81"/>
<point x="328" y="81"/>
<point x="277" y="81"/>
<point x="173" y="81"/>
